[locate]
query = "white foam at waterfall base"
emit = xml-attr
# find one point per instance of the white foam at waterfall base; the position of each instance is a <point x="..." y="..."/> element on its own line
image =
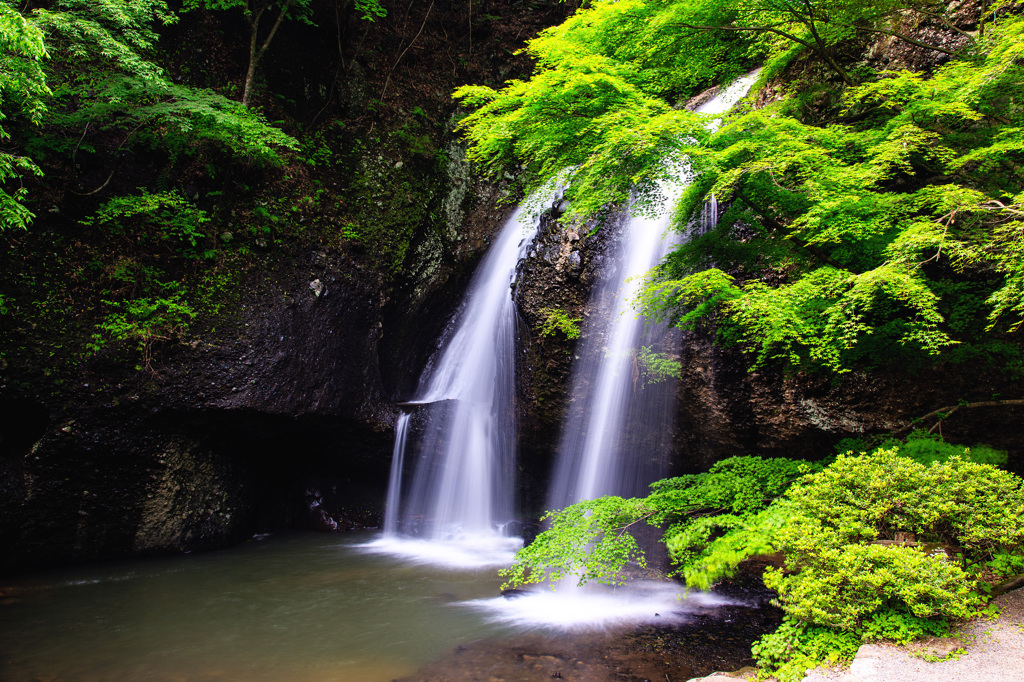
<point x="597" y="607"/>
<point x="466" y="552"/>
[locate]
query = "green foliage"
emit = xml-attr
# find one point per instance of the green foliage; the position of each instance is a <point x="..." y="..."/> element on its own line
<point x="839" y="578"/>
<point x="924" y="448"/>
<point x="370" y="10"/>
<point x="23" y="92"/>
<point x="876" y="547"/>
<point x="658" y="367"/>
<point x="104" y="79"/>
<point x="797" y="645"/>
<point x="558" y="321"/>
<point x="974" y="507"/>
<point x="868" y="228"/>
<point x="145" y="321"/>
<point x="254" y="9"/>
<point x="1005" y="564"/>
<point x="844" y="242"/>
<point x="840" y="586"/>
<point x="901" y="626"/>
<point x="163" y="217"/>
<point x="113" y="35"/>
<point x="928" y="448"/>
<point x="590" y="540"/>
<point x="152" y="291"/>
<point x="600" y="109"/>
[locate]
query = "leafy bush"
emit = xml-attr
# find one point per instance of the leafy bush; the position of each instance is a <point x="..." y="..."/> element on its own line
<point x="858" y="258"/>
<point x="658" y="367"/>
<point x="901" y="626"/>
<point x="144" y="321"/>
<point x="924" y="448"/>
<point x="877" y="546"/>
<point x="797" y="645"/>
<point x="161" y="217"/>
<point x="556" y="321"/>
<point x="590" y="539"/>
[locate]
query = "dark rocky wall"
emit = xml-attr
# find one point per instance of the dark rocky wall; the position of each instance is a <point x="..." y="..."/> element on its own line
<point x="725" y="409"/>
<point x="277" y="410"/>
<point x="557" y="274"/>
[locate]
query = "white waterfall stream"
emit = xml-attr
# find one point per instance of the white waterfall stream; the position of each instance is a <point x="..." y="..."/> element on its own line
<point x="460" y="437"/>
<point x="618" y="433"/>
<point x="461" y="432"/>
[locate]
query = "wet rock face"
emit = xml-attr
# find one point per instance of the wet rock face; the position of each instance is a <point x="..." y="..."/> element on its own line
<point x="443" y="257"/>
<point x="120" y="481"/>
<point x="725" y="410"/>
<point x="228" y="432"/>
<point x="557" y="275"/>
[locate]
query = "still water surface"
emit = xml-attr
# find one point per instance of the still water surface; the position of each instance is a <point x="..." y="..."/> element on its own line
<point x="296" y="607"/>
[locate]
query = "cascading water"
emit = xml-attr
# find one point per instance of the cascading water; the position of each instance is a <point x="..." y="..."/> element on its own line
<point x="392" y="505"/>
<point x="460" y="500"/>
<point x="618" y="430"/>
<point x="596" y="455"/>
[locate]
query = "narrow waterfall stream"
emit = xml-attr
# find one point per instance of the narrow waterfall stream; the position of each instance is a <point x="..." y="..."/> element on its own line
<point x="617" y="435"/>
<point x="460" y="501"/>
<point x="618" y="430"/>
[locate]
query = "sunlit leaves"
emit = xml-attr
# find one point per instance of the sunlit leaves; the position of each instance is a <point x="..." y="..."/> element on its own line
<point x="116" y="84"/>
<point x="115" y="33"/>
<point x="867" y="219"/>
<point x="593" y="540"/>
<point x="23" y="91"/>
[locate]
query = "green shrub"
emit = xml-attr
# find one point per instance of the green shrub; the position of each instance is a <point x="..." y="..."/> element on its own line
<point x="877" y="546"/>
<point x="144" y="321"/>
<point x="162" y="217"/>
<point x="925" y="448"/>
<point x="797" y="646"/>
<point x="558" y="321"/>
<point x="658" y="367"/>
<point x="901" y="626"/>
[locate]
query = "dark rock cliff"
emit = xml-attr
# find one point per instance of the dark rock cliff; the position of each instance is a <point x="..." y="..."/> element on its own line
<point x="275" y="407"/>
<point x="556" y="277"/>
<point x="279" y="416"/>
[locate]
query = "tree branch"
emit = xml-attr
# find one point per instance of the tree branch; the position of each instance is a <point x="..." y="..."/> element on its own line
<point x="907" y="38"/>
<point x="388" y="79"/>
<point x="1014" y="583"/>
<point x="950" y="409"/>
<point x="750" y="29"/>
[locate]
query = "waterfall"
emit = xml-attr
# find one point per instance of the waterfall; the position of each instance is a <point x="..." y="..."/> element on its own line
<point x="618" y="432"/>
<point x="609" y="396"/>
<point x="392" y="505"/>
<point x="618" y="429"/>
<point x="460" y="434"/>
<point x="709" y="216"/>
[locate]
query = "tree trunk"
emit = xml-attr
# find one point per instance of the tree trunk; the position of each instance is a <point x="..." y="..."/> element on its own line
<point x="256" y="54"/>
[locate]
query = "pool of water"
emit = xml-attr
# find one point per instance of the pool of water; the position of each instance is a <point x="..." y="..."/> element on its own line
<point x="295" y="607"/>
